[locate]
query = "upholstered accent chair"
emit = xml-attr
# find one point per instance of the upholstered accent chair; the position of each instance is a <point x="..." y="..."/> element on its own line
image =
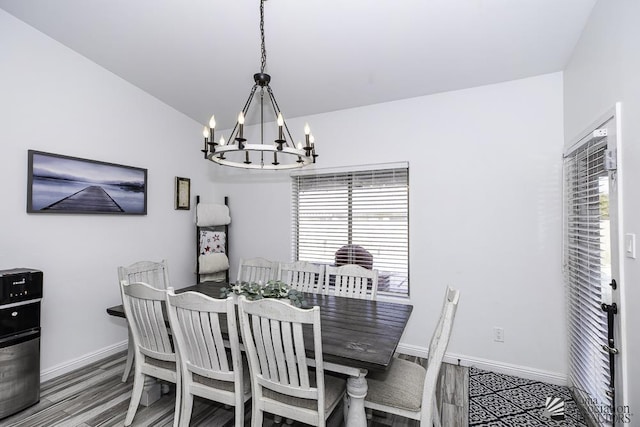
<point x="354" y="254"/>
<point x="406" y="388"/>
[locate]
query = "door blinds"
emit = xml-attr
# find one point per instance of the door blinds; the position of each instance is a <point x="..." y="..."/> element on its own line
<point x="364" y="214"/>
<point x="587" y="269"/>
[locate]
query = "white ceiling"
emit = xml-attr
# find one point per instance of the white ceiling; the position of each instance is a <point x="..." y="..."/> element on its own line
<point x="199" y="56"/>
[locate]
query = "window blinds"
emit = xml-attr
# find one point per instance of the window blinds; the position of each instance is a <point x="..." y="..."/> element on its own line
<point x="369" y="209"/>
<point x="587" y="269"/>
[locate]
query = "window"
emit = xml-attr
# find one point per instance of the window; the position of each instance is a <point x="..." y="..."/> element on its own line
<point x="357" y="217"/>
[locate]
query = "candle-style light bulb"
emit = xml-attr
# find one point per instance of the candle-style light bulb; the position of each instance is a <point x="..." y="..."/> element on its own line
<point x="212" y="122"/>
<point x="307" y="131"/>
<point x="205" y="149"/>
<point x="221" y="140"/>
<point x="280" y="123"/>
<point x="240" y="137"/>
<point x="299" y="148"/>
<point x="313" y="147"/>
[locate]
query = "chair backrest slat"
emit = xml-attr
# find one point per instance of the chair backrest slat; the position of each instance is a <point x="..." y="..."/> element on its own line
<point x="300" y="356"/>
<point x="437" y="348"/>
<point x="450" y="295"/>
<point x="303" y="276"/>
<point x="352" y="281"/>
<point x="279" y="340"/>
<point x="289" y="355"/>
<point x="153" y="273"/>
<point x="257" y="270"/>
<point x="197" y="322"/>
<point x="143" y="308"/>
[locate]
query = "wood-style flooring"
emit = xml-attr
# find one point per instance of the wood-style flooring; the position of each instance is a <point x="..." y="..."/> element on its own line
<point x="95" y="396"/>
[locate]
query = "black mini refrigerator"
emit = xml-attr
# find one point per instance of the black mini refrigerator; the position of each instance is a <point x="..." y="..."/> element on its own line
<point x="20" y="297"/>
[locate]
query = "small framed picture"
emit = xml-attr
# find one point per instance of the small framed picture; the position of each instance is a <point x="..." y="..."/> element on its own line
<point x="183" y="193"/>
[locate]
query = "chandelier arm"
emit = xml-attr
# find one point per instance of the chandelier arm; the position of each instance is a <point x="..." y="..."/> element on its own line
<point x="276" y="108"/>
<point x="245" y="109"/>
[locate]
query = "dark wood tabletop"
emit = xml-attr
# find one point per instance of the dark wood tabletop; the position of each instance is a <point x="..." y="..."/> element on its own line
<point x="355" y="332"/>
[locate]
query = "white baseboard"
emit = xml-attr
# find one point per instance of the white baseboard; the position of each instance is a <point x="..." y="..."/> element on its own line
<point x="455" y="359"/>
<point x="81" y="362"/>
<point x="491" y="365"/>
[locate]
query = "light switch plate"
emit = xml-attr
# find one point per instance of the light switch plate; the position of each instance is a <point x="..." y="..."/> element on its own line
<point x="630" y="245"/>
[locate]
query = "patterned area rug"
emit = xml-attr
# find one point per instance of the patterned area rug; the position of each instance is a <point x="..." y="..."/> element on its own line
<point x="499" y="400"/>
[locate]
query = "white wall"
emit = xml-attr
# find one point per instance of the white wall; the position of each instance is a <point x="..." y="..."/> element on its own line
<point x="55" y="100"/>
<point x="485" y="201"/>
<point x="605" y="69"/>
<point x="485" y="212"/>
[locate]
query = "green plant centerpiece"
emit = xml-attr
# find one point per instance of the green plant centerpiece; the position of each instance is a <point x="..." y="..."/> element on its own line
<point x="273" y="289"/>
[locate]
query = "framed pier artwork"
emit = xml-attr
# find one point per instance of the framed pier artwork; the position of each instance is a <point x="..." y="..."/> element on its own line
<point x="64" y="184"/>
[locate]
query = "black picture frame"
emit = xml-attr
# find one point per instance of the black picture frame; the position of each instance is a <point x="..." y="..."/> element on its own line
<point x="71" y="185"/>
<point x="183" y="193"/>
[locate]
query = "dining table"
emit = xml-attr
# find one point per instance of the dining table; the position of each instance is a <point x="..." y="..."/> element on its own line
<point x="358" y="336"/>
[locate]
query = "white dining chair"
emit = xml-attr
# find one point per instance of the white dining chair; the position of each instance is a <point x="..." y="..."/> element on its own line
<point x="301" y="275"/>
<point x="408" y="389"/>
<point x="352" y="281"/>
<point x="153" y="273"/>
<point x="256" y="270"/>
<point x="281" y="381"/>
<point x="210" y="366"/>
<point x="155" y="355"/>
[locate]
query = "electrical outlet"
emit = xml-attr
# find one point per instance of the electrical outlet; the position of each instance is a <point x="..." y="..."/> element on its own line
<point x="498" y="334"/>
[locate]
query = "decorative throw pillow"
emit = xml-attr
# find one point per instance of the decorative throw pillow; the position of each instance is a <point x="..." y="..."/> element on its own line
<point x="212" y="242"/>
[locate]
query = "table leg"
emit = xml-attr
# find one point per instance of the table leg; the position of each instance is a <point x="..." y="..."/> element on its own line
<point x="357" y="390"/>
<point x="151" y="391"/>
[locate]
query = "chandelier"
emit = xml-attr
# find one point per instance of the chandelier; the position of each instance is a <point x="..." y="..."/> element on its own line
<point x="281" y="153"/>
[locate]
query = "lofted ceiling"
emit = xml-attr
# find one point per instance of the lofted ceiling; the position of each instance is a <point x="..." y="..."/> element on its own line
<point x="199" y="56"/>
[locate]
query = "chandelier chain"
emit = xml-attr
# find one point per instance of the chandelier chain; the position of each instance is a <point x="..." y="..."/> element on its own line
<point x="263" y="58"/>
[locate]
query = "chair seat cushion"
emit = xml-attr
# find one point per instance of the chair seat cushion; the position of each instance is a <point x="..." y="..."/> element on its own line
<point x="225" y="385"/>
<point x="400" y="386"/>
<point x="334" y="389"/>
